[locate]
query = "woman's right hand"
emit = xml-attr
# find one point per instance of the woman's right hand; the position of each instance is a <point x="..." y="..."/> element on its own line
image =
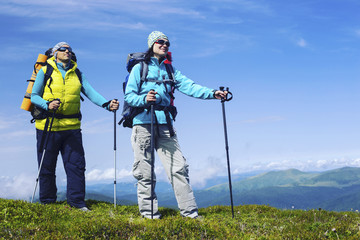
<point x="54" y="105"/>
<point x="151" y="96"/>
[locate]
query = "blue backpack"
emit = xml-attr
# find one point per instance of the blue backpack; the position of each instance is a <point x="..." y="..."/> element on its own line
<point x="129" y="112"/>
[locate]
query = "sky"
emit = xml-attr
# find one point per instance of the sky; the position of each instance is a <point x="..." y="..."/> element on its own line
<point x="293" y="68"/>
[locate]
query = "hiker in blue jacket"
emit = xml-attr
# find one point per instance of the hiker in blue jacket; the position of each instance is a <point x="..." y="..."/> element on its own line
<point x="66" y="137"/>
<point x="166" y="143"/>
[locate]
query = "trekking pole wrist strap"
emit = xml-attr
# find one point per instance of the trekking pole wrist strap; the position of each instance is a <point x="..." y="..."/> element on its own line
<point x="214" y="91"/>
<point x="107" y="105"/>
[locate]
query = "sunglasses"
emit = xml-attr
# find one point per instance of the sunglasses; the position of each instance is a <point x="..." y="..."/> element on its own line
<point x="162" y="42"/>
<point x="63" y="49"/>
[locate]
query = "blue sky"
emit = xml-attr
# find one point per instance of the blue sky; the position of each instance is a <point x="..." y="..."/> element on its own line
<point x="293" y="67"/>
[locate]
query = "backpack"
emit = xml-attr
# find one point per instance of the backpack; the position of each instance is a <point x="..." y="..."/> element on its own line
<point x="37" y="112"/>
<point x="129" y="112"/>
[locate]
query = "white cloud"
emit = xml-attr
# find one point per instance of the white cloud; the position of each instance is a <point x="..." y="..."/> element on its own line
<point x="18" y="187"/>
<point x="92" y="14"/>
<point x="199" y="175"/>
<point x="22" y="186"/>
<point x="255" y="7"/>
<point x="245" y="5"/>
<point x="17" y="134"/>
<point x="107" y="174"/>
<point x="91" y="24"/>
<point x="99" y="125"/>
<point x="309" y="165"/>
<point x="212" y="40"/>
<point x="5" y="123"/>
<point x="12" y="128"/>
<point x="301" y="42"/>
<point x="207" y="52"/>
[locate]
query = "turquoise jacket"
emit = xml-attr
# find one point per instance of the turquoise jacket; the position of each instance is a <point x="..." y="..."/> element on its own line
<point x="136" y="97"/>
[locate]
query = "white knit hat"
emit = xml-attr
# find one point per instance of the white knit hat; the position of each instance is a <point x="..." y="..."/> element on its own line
<point x="57" y="46"/>
<point x="154" y="36"/>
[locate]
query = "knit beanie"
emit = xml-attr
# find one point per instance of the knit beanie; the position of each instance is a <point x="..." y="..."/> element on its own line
<point x="154" y="36"/>
<point x="57" y="46"/>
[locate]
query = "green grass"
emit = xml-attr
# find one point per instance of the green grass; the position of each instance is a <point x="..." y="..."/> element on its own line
<point x="23" y="220"/>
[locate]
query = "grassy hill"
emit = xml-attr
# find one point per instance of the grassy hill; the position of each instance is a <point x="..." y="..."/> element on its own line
<point x="23" y="220"/>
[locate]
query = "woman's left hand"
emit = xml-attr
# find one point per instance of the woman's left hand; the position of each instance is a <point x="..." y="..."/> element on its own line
<point x="220" y="94"/>
<point x="114" y="105"/>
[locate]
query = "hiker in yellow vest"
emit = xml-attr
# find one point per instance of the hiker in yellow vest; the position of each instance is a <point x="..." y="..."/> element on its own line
<point x="61" y="93"/>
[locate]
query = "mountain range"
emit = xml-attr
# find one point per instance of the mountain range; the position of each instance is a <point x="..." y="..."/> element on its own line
<point x="335" y="190"/>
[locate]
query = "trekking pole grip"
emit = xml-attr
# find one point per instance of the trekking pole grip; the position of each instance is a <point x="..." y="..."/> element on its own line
<point x="226" y="99"/>
<point x="115" y="109"/>
<point x="114" y="126"/>
<point x="56" y="99"/>
<point x="152" y="103"/>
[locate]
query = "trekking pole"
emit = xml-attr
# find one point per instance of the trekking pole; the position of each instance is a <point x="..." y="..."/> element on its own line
<point x="223" y="100"/>
<point x="115" y="158"/>
<point x="152" y="146"/>
<point x="44" y="151"/>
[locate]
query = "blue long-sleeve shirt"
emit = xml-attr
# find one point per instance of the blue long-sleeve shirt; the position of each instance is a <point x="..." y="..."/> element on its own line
<point x="86" y="89"/>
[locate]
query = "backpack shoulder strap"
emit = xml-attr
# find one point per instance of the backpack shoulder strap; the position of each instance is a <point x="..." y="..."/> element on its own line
<point x="47" y="75"/>
<point x="170" y="71"/>
<point x="78" y="73"/>
<point x="144" y="68"/>
<point x="48" y="72"/>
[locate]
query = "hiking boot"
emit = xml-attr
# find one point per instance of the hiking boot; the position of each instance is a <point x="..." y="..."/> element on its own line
<point x="198" y="217"/>
<point x="84" y="209"/>
<point x="149" y="217"/>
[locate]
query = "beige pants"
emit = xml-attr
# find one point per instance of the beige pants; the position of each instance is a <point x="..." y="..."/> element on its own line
<point x="169" y="152"/>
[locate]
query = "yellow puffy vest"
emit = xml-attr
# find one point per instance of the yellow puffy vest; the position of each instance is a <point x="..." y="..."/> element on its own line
<point x="68" y="91"/>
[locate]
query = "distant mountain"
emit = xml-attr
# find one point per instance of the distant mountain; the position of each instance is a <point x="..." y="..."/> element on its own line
<point x="337" y="190"/>
<point x="127" y="191"/>
<point x="332" y="190"/>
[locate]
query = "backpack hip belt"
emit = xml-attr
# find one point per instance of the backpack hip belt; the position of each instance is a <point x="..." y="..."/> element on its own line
<point x="39" y="114"/>
<point x="167" y="111"/>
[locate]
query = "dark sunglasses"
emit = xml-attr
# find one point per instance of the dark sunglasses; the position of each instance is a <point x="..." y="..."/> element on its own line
<point x="162" y="42"/>
<point x="63" y="49"/>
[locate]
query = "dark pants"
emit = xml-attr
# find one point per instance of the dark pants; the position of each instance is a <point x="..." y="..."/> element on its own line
<point x="69" y="143"/>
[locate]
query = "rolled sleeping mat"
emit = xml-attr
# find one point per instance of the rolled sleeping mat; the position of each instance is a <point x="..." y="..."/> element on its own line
<point x="26" y="103"/>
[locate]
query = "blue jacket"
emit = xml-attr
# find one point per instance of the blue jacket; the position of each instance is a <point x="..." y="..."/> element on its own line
<point x="136" y="97"/>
